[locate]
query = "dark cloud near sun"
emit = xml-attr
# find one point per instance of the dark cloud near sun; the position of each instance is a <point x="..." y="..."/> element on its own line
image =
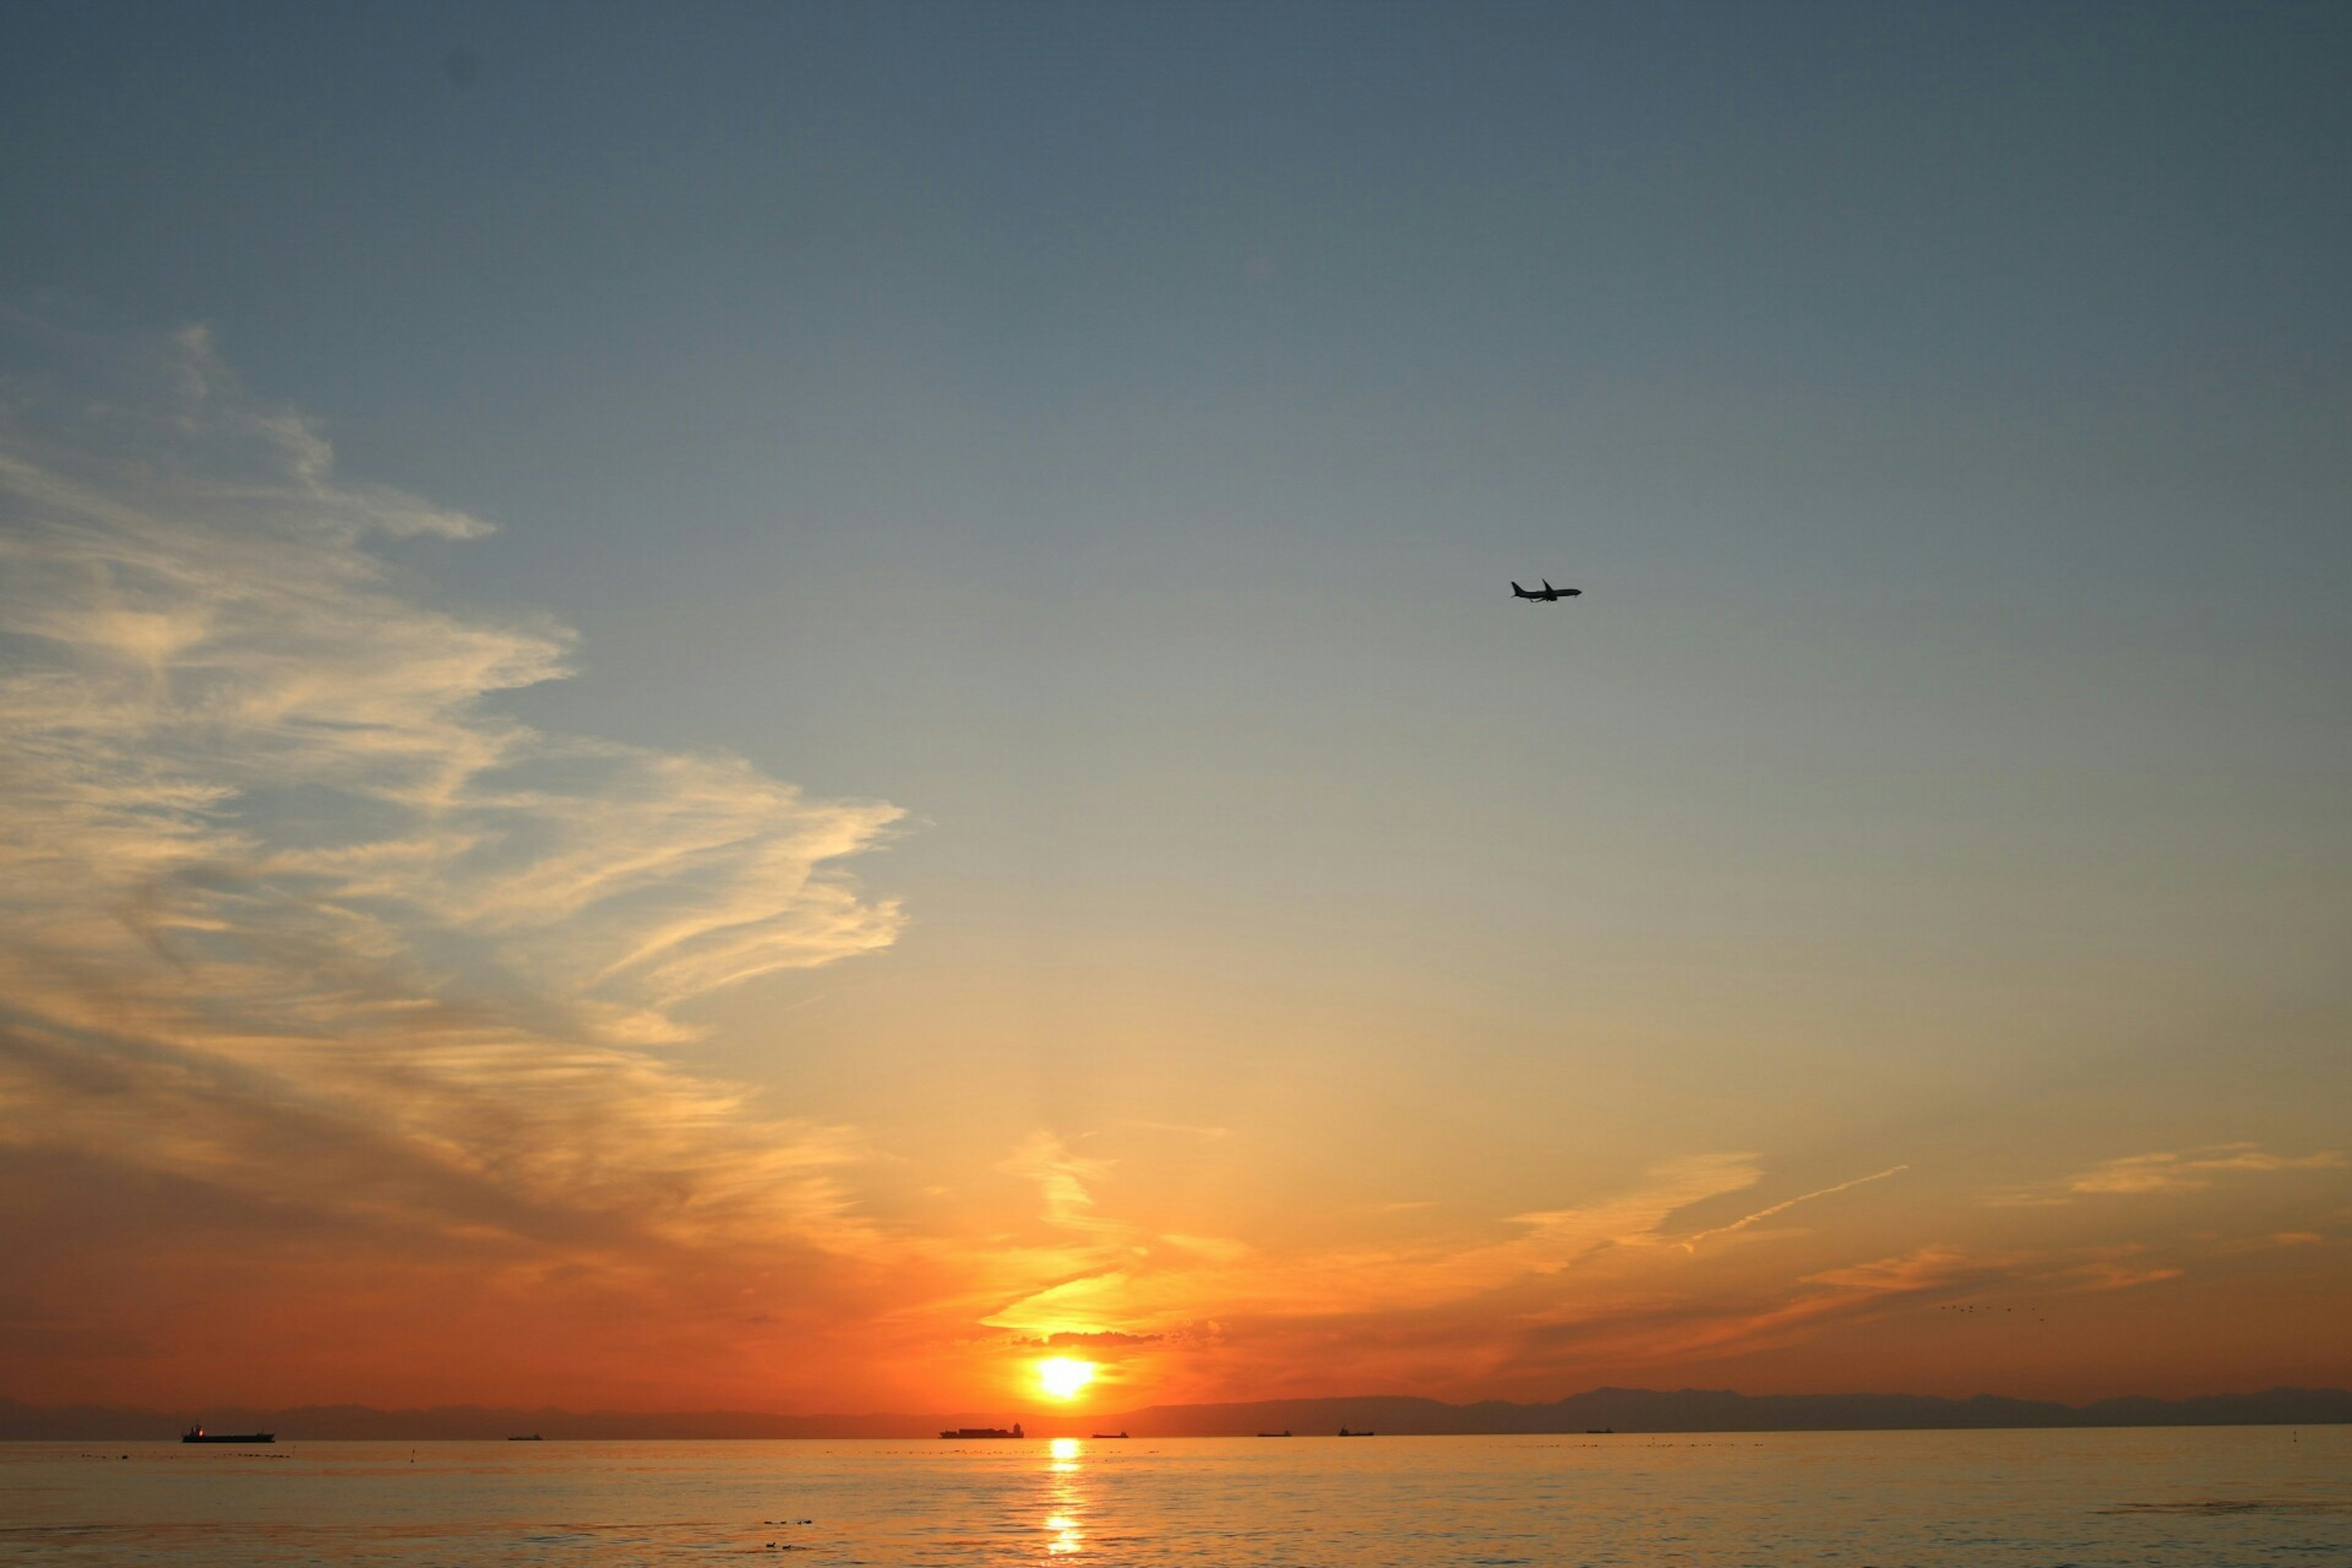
<point x="1107" y="1339"/>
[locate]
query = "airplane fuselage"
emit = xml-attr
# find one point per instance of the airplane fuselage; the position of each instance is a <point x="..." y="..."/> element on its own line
<point x="1545" y="595"/>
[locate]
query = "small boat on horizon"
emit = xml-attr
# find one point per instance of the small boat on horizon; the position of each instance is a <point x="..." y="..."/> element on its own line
<point x="528" y="1438"/>
<point x="1345" y="1433"/>
<point x="1274" y="1434"/>
<point x="198" y="1435"/>
<point x="963" y="1432"/>
<point x="1107" y="1436"/>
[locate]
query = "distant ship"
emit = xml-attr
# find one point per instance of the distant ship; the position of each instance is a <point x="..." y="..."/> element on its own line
<point x="527" y="1438"/>
<point x="1345" y="1433"/>
<point x="1281" y="1434"/>
<point x="198" y="1435"/>
<point x="1107" y="1436"/>
<point x="983" y="1432"/>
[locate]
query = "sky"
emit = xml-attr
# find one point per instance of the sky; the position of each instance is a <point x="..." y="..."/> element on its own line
<point x="786" y="707"/>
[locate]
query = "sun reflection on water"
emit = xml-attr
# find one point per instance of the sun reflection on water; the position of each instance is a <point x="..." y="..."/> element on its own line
<point x="1064" y="1523"/>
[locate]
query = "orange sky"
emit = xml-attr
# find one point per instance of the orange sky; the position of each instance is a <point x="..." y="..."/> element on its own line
<point x="354" y="1041"/>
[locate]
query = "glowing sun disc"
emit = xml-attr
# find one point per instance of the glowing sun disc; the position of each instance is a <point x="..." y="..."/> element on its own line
<point x="1062" y="1377"/>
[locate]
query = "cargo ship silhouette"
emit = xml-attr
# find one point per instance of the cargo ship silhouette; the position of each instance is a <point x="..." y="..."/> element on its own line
<point x="984" y="1432"/>
<point x="198" y="1435"/>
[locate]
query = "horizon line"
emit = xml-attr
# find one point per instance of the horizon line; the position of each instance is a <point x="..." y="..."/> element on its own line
<point x="1622" y="1411"/>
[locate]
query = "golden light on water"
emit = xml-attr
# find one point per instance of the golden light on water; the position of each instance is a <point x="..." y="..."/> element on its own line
<point x="1065" y="1526"/>
<point x="1063" y="1376"/>
<point x="1066" y="1536"/>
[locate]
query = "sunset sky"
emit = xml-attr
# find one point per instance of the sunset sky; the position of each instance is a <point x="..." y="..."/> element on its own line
<point x="786" y="707"/>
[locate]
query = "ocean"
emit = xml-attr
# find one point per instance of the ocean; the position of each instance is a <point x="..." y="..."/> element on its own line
<point x="2089" y="1498"/>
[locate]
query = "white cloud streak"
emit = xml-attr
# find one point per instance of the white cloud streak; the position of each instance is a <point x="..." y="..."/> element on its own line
<point x="1690" y="1242"/>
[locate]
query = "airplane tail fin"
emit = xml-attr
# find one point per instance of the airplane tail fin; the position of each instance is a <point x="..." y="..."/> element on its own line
<point x="1548" y="587"/>
<point x="1516" y="589"/>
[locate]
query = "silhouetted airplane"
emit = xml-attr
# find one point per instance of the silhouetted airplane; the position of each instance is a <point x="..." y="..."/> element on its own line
<point x="1547" y="594"/>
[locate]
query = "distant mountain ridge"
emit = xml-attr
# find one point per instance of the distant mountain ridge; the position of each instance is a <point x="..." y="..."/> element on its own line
<point x="1619" y="1409"/>
<point x="1723" y="1410"/>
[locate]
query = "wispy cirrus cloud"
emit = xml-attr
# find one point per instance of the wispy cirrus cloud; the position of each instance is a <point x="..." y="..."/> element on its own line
<point x="2165" y="1171"/>
<point x="1606" y="1287"/>
<point x="288" y="907"/>
<point x="2193" y="1171"/>
<point x="1065" y="1180"/>
<point x="1109" y="1274"/>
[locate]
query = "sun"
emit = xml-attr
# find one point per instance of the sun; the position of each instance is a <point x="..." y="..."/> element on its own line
<point x="1062" y="1377"/>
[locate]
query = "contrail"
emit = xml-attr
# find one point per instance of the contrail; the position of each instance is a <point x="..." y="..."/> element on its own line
<point x="1690" y="1243"/>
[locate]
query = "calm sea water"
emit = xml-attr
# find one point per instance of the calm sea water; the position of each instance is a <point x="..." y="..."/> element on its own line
<point x="2186" y="1496"/>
